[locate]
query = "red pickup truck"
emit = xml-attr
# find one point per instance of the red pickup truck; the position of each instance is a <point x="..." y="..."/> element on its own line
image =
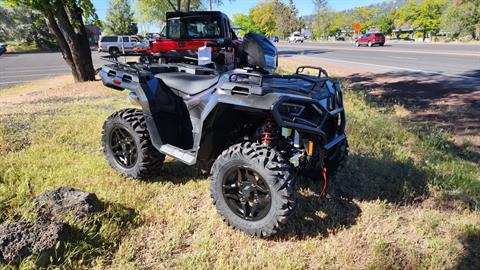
<point x="370" y="39"/>
<point x="185" y="32"/>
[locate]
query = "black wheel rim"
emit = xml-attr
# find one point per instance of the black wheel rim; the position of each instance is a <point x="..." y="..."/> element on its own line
<point x="246" y="193"/>
<point x="123" y="146"/>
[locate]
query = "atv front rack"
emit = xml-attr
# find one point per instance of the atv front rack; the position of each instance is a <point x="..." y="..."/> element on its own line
<point x="317" y="116"/>
<point x="321" y="71"/>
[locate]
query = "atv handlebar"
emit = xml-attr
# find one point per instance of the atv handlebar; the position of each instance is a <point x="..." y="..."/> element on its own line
<point x="226" y="43"/>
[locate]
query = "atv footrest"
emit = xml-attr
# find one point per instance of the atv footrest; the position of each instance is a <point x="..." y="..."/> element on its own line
<point x="178" y="153"/>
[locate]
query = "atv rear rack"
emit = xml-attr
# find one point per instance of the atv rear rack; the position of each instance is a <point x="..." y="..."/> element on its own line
<point x="316" y="81"/>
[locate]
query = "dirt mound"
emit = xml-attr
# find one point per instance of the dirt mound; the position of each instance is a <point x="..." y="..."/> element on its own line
<point x="56" y="204"/>
<point x="21" y="239"/>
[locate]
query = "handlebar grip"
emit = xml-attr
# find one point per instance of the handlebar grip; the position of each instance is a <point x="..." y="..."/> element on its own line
<point x="216" y="45"/>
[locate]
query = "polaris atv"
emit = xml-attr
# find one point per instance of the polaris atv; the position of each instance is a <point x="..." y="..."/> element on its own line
<point x="255" y="131"/>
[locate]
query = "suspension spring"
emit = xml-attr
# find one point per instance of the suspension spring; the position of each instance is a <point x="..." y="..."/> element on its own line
<point x="269" y="131"/>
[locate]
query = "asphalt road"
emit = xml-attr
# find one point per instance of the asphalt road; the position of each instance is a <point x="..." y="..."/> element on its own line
<point x="456" y="61"/>
<point x="461" y="61"/>
<point x="20" y="68"/>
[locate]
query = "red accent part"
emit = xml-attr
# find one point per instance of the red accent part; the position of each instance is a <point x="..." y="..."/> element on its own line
<point x="117" y="82"/>
<point x="324" y="189"/>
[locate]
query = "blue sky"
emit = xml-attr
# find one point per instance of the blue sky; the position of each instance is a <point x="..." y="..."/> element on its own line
<point x="305" y="7"/>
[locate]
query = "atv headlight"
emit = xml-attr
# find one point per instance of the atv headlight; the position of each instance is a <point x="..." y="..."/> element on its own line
<point x="270" y="61"/>
<point x="291" y="109"/>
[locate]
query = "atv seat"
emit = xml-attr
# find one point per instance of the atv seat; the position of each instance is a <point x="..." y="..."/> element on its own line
<point x="188" y="83"/>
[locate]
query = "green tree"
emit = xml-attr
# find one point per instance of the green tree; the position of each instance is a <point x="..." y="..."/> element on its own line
<point x="153" y="11"/>
<point x="264" y="18"/>
<point x="338" y="23"/>
<point x="366" y="16"/>
<point x="322" y="23"/>
<point x="245" y="22"/>
<point x="386" y="23"/>
<point x="462" y="18"/>
<point x="64" y="19"/>
<point x="287" y="19"/>
<point x="119" y="19"/>
<point x="424" y="17"/>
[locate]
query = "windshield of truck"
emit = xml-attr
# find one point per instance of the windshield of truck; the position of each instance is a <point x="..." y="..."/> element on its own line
<point x="194" y="27"/>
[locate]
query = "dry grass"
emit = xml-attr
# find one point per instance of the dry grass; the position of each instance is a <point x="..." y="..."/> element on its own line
<point x="412" y="205"/>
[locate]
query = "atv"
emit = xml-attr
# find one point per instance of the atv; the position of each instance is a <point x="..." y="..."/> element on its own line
<point x="256" y="132"/>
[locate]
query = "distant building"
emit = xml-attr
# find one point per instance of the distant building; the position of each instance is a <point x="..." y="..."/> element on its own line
<point x="405" y="30"/>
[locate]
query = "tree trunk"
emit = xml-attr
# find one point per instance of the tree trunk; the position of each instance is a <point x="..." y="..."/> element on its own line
<point x="62" y="44"/>
<point x="188" y="5"/>
<point x="82" y="37"/>
<point x="81" y="59"/>
<point x="179" y="5"/>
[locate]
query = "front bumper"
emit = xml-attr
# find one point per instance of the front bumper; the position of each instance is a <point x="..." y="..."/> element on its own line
<point x="329" y="119"/>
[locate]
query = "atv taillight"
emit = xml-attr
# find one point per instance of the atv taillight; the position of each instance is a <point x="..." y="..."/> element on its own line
<point x="117" y="81"/>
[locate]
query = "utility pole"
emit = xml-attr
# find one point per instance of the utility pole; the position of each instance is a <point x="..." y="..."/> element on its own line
<point x="211" y="5"/>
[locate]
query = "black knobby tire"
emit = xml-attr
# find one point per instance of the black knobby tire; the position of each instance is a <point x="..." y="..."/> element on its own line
<point x="148" y="161"/>
<point x="114" y="51"/>
<point x="337" y="160"/>
<point x="268" y="165"/>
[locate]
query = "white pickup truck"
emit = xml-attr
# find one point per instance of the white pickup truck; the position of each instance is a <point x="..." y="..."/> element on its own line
<point x="296" y="37"/>
<point x="115" y="45"/>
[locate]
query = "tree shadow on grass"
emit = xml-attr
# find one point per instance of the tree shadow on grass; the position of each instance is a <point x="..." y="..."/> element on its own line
<point x="99" y="235"/>
<point x="449" y="103"/>
<point x="471" y="258"/>
<point x="178" y="173"/>
<point x="386" y="178"/>
<point x="364" y="179"/>
<point x="315" y="215"/>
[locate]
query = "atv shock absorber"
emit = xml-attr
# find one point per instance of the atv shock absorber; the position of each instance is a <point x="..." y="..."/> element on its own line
<point x="270" y="131"/>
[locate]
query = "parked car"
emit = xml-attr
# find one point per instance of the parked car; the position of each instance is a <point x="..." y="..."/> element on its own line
<point x="339" y="38"/>
<point x="274" y="39"/>
<point x="115" y="45"/>
<point x="370" y="39"/>
<point x="296" y="37"/>
<point x="3" y="48"/>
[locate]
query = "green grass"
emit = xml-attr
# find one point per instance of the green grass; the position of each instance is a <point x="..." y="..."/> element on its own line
<point x="415" y="196"/>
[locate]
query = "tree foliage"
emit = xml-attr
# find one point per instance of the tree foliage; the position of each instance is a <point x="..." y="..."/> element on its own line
<point x="65" y="21"/>
<point x="386" y="23"/>
<point x="423" y="16"/>
<point x="462" y="18"/>
<point x="23" y="24"/>
<point x="120" y="19"/>
<point x="263" y="16"/>
<point x="272" y="17"/>
<point x="323" y="22"/>
<point x="152" y="12"/>
<point x="287" y="20"/>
